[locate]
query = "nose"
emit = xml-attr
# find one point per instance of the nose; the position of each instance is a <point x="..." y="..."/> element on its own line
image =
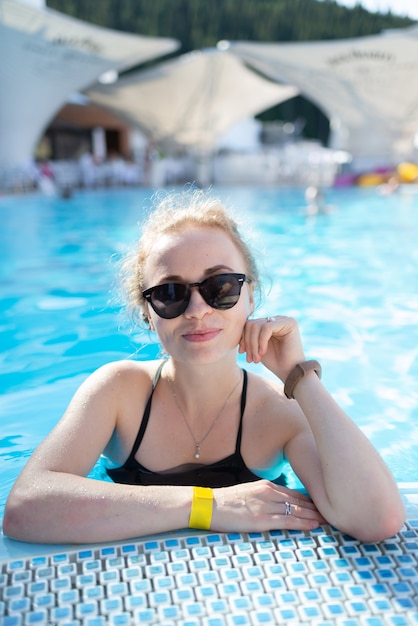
<point x="197" y="307"/>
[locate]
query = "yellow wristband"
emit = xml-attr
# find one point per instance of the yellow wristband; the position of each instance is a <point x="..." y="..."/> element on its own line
<point x="201" y="511"/>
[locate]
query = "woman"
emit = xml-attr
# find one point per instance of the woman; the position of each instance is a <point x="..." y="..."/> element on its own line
<point x="187" y="439"/>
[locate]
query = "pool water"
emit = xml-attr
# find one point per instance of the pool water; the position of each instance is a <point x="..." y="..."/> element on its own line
<point x="350" y="277"/>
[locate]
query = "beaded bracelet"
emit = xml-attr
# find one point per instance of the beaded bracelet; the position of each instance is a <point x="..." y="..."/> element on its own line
<point x="202" y="507"/>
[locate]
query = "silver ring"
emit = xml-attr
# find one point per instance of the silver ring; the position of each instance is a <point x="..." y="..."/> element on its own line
<point x="269" y="319"/>
<point x="288" y="508"/>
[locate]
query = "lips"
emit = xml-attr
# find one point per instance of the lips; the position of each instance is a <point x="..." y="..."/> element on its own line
<point x="201" y="335"/>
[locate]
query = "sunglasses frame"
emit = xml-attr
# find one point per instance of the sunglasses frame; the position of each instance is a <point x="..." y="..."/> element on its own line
<point x="241" y="279"/>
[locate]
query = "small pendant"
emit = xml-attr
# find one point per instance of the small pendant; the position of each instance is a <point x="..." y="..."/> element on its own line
<point x="197" y="451"/>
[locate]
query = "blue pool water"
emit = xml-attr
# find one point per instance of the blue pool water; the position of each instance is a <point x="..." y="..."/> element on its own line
<point x="350" y="277"/>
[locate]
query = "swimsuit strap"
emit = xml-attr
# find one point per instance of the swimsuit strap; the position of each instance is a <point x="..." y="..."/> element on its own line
<point x="147" y="411"/>
<point x="243" y="403"/>
<point x="158" y="374"/>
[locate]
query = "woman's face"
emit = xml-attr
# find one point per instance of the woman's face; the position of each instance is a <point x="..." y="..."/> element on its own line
<point x="201" y="334"/>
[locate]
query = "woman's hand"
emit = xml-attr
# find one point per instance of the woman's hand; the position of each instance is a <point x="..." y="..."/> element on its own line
<point x="262" y="505"/>
<point x="273" y="341"/>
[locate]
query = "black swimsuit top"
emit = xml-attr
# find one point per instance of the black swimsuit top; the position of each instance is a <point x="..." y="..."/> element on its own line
<point x="224" y="473"/>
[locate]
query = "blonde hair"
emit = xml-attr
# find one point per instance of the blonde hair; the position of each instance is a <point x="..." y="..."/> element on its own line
<point x="172" y="214"/>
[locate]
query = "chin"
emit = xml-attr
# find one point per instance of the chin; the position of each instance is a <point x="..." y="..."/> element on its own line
<point x="204" y="356"/>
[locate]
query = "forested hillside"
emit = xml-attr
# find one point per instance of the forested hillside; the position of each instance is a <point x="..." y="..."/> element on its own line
<point x="202" y="23"/>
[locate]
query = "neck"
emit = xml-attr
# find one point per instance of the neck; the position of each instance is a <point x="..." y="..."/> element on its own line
<point x="199" y="386"/>
<point x="201" y="419"/>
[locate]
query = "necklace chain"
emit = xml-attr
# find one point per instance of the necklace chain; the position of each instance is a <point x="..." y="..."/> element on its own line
<point x="196" y="442"/>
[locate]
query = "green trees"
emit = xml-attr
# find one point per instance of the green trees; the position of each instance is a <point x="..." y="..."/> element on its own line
<point x="202" y="23"/>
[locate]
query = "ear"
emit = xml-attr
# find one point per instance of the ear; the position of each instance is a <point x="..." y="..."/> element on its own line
<point x="251" y="299"/>
<point x="150" y="322"/>
<point x="146" y="316"/>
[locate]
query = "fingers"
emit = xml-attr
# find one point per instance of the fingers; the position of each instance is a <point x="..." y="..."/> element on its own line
<point x="300" y="508"/>
<point x="255" y="338"/>
<point x="300" y="514"/>
<point x="258" y="333"/>
<point x="291" y="522"/>
<point x="263" y="506"/>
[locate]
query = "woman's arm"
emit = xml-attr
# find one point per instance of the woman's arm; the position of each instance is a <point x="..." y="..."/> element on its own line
<point x="63" y="508"/>
<point x="53" y="501"/>
<point x="343" y="473"/>
<point x="345" y="476"/>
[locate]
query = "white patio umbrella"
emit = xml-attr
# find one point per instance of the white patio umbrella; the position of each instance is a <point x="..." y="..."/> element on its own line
<point x="191" y="100"/>
<point x="367" y="86"/>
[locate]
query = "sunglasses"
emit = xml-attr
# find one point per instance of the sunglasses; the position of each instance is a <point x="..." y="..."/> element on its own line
<point x="170" y="300"/>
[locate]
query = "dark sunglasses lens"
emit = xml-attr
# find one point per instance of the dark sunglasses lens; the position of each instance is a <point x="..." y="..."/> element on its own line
<point x="221" y="292"/>
<point x="170" y="300"/>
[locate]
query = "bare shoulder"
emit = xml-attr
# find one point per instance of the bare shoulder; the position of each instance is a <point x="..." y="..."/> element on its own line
<point x="265" y="390"/>
<point x="121" y="373"/>
<point x="113" y="387"/>
<point x="267" y="406"/>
